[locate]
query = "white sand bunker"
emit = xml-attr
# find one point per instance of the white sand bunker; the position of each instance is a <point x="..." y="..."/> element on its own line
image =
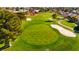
<point x="64" y="31"/>
<point x="28" y="19"/>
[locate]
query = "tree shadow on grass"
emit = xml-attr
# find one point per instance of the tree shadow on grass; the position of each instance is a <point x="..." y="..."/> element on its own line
<point x="4" y="47"/>
<point x="76" y="29"/>
<point x="48" y="21"/>
<point x="70" y="21"/>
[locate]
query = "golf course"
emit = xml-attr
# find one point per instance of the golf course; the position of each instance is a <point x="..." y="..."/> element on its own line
<point x="38" y="35"/>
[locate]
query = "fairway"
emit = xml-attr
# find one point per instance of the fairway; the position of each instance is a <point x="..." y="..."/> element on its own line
<point x="65" y="22"/>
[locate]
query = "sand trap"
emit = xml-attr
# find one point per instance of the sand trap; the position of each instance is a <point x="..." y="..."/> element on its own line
<point x="64" y="31"/>
<point x="28" y="19"/>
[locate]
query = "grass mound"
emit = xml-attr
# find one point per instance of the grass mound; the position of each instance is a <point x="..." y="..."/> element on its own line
<point x="40" y="35"/>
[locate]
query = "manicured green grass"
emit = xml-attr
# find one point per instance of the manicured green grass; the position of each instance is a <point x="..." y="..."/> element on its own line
<point x="65" y="22"/>
<point x="1" y="45"/>
<point x="38" y="35"/>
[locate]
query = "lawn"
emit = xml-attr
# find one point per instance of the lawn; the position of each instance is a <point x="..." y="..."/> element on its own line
<point x="38" y="35"/>
<point x="65" y="22"/>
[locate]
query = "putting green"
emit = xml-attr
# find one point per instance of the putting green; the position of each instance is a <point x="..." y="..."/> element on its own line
<point x="40" y="35"/>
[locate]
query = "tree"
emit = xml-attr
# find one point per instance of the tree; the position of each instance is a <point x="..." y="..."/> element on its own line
<point x="21" y="15"/>
<point x="10" y="25"/>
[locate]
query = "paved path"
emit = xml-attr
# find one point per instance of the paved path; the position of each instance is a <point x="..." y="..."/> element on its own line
<point x="63" y="31"/>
